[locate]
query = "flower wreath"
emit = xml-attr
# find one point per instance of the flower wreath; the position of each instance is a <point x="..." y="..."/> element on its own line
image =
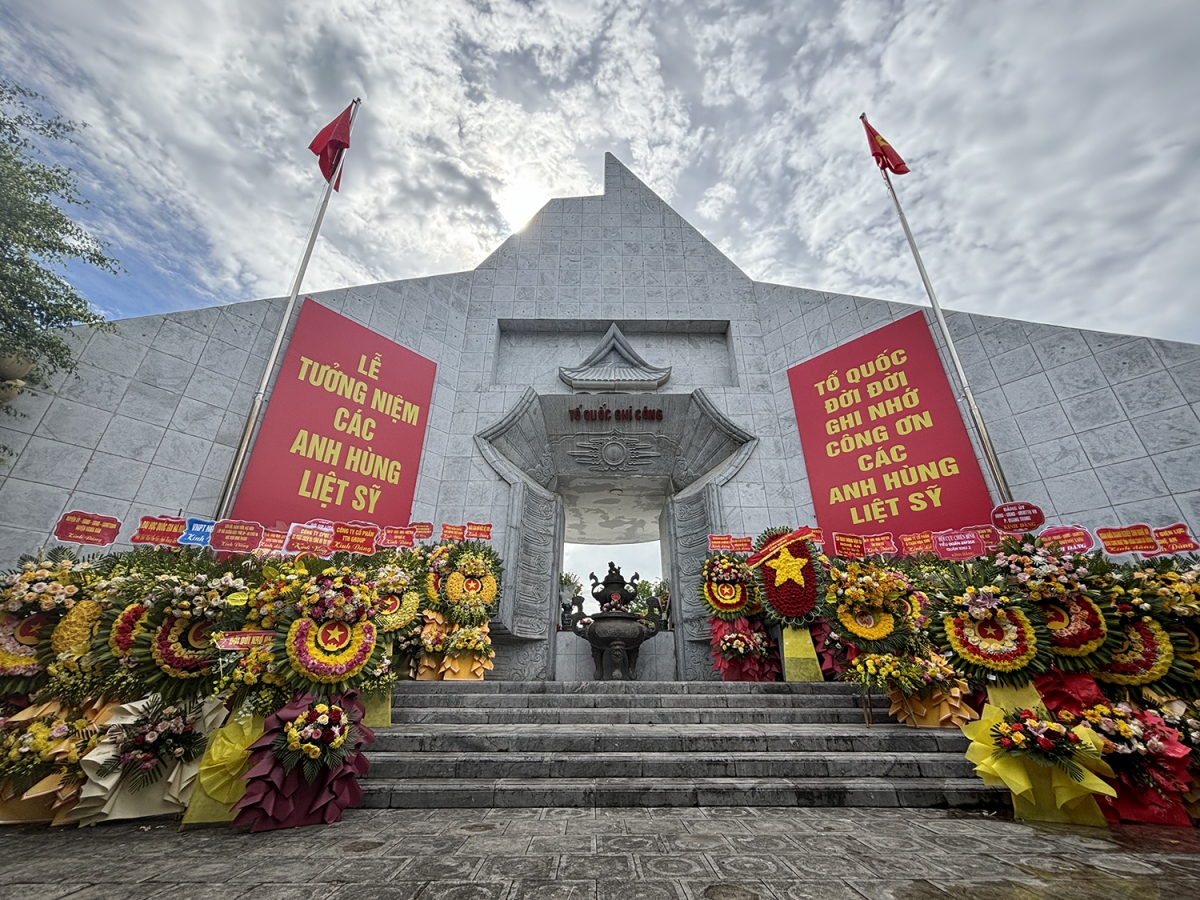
<point x="470" y="583"/>
<point x="18" y="647"/>
<point x="789" y="582"/>
<point x="1079" y="628"/>
<point x="328" y="653"/>
<point x="1006" y="647"/>
<point x="727" y="586"/>
<point x="174" y="657"/>
<point x="875" y="607"/>
<point x="1146" y="656"/>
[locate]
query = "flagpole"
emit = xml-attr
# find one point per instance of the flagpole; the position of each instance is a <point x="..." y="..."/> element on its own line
<point x="989" y="450"/>
<point x="256" y="407"/>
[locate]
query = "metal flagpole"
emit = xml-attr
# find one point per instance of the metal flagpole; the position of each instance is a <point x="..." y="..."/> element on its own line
<point x="256" y="407"/>
<point x="989" y="451"/>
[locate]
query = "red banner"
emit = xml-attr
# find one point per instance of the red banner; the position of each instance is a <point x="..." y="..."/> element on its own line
<point x="1070" y="538"/>
<point x="353" y="537"/>
<point x="234" y="536"/>
<point x="1130" y="539"/>
<point x="849" y="546"/>
<point x="1175" y="539"/>
<point x="1018" y="517"/>
<point x="391" y="536"/>
<point x="742" y="544"/>
<point x="159" y="530"/>
<point x="423" y="531"/>
<point x="882" y="436"/>
<point x="477" y="532"/>
<point x="243" y="640"/>
<point x="454" y="532"/>
<point x="958" y="544"/>
<point x="988" y="534"/>
<point x="76" y="527"/>
<point x="343" y="431"/>
<point x="921" y="542"/>
<point x="310" y="537"/>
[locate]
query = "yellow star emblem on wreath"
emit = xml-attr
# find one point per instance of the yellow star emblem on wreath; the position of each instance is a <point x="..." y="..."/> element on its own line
<point x="788" y="567"/>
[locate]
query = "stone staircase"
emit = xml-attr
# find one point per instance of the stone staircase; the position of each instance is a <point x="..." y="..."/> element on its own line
<point x="668" y="743"/>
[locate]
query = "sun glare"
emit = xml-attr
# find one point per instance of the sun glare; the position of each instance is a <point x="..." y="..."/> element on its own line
<point x="522" y="197"/>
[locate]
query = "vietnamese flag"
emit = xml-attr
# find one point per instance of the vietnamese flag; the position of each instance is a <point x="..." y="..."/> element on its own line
<point x="885" y="155"/>
<point x="331" y="142"/>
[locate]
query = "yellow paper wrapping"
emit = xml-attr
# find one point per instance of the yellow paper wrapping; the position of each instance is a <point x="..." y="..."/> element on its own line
<point x="219" y="782"/>
<point x="1040" y="793"/>
<point x="430" y="666"/>
<point x="933" y="709"/>
<point x="1026" y="697"/>
<point x="800" y="656"/>
<point x="377" y="709"/>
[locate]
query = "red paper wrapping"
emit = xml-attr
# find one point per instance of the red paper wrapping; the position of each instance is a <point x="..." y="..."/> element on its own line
<point x="1071" y="692"/>
<point x="276" y="799"/>
<point x="751" y="668"/>
<point x="830" y="667"/>
<point x="1161" y="801"/>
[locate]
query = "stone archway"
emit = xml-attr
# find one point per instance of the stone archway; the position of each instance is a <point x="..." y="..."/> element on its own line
<point x="548" y="444"/>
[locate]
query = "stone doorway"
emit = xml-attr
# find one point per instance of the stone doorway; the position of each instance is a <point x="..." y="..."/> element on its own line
<point x="564" y="458"/>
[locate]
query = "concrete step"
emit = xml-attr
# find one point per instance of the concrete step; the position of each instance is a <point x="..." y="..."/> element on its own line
<point x="395" y="766"/>
<point x="636" y="716"/>
<point x="620" y="687"/>
<point x="822" y="700"/>
<point x="645" y="738"/>
<point x="434" y="793"/>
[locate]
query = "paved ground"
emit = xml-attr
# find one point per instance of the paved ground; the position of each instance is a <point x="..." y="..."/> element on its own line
<point x="726" y="853"/>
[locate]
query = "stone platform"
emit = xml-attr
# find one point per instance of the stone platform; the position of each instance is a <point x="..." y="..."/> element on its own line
<point x="660" y="744"/>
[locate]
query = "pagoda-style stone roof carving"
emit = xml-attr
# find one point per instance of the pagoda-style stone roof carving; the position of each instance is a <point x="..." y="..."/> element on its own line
<point x="614" y="366"/>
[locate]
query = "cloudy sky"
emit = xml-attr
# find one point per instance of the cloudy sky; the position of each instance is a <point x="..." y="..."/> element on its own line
<point x="1054" y="146"/>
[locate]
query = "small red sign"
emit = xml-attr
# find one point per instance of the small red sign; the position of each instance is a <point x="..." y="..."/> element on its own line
<point x="988" y="534"/>
<point x="849" y="546"/>
<point x="477" y="532"/>
<point x="244" y="640"/>
<point x="422" y="530"/>
<point x="236" y="536"/>
<point x="958" y="544"/>
<point x="159" y="530"/>
<point x="742" y="545"/>
<point x="1130" y="539"/>
<point x="1069" y="538"/>
<point x="1175" y="539"/>
<point x="76" y="527"/>
<point x="311" y="537"/>
<point x="394" y="536"/>
<point x="353" y="537"/>
<point x="878" y="543"/>
<point x="454" y="532"/>
<point x="720" y="542"/>
<point x="1018" y="517"/>
<point x="272" y="541"/>
<point x="921" y="542"/>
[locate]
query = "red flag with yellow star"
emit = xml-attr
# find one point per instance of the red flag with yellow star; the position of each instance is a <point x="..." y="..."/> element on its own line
<point x="885" y="154"/>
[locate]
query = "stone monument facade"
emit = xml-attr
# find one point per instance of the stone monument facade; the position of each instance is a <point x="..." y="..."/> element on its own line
<point x="607" y="375"/>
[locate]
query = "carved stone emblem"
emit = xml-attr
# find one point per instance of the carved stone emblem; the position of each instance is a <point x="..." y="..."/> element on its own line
<point x="613" y="452"/>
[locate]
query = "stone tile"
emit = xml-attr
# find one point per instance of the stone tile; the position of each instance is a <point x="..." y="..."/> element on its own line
<point x="679" y="865"/>
<point x="94" y="387"/>
<point x="1130" y="481"/>
<point x="1032" y="392"/>
<point x="114" y="353"/>
<point x="74" y="423"/>
<point x="51" y="463"/>
<point x="1113" y="443"/>
<point x="177" y="340"/>
<point x="214" y="388"/>
<point x="611" y="866"/>
<point x="148" y="403"/>
<point x="112" y="476"/>
<point x="1089" y="411"/>
<point x="182" y="451"/>
<point x="1064" y="345"/>
<point x="1076" y="492"/>
<point x="131" y="438"/>
<point x="1079" y="377"/>
<point x="427" y="868"/>
<point x="1013" y="365"/>
<point x="165" y="370"/>
<point x="639" y="890"/>
<point x="1059" y="457"/>
<point x="197" y="418"/>
<point x="166" y="489"/>
<point x="1187" y="379"/>
<point x="1168" y="431"/>
<point x="1129" y="361"/>
<point x="528" y="889"/>
<point x="1149" y="394"/>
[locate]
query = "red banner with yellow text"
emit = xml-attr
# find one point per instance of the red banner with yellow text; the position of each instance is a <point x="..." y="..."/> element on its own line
<point x="884" y="443"/>
<point x="343" y="432"/>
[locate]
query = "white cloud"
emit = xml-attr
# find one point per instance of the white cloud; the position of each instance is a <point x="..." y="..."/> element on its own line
<point x="1053" y="146"/>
